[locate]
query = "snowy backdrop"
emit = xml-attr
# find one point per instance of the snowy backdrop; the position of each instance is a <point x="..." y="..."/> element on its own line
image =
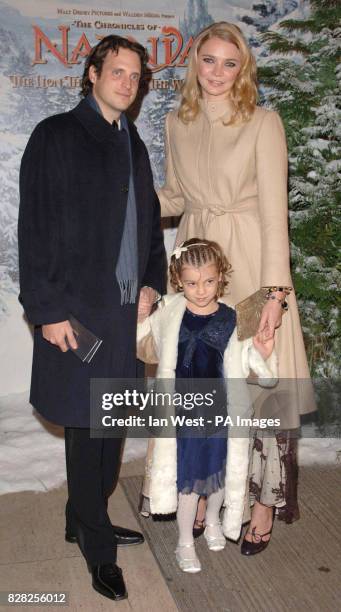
<point x="296" y="43"/>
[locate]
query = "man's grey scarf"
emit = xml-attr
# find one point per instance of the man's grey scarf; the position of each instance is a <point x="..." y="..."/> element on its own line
<point x="126" y="268"/>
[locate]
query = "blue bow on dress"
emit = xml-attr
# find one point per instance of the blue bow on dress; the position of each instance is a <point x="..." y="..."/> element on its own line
<point x="216" y="333"/>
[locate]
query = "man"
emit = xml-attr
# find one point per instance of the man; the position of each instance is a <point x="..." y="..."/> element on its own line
<point x="89" y="239"/>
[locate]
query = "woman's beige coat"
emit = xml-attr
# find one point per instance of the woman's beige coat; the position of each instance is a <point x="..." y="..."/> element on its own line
<point x="229" y="183"/>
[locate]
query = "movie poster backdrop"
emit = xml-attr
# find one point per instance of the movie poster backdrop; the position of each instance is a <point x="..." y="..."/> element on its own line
<point x="43" y="46"/>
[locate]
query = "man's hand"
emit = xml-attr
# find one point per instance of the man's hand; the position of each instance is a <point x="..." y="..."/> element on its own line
<point x="146" y="301"/>
<point x="56" y="333"/>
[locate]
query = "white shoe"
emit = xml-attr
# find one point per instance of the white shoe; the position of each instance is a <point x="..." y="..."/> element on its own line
<point x="187" y="558"/>
<point x="214" y="537"/>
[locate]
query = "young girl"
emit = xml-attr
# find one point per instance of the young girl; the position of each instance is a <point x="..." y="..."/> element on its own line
<point x="194" y="336"/>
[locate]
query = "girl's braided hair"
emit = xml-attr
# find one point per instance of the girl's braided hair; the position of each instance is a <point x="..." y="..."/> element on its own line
<point x="197" y="252"/>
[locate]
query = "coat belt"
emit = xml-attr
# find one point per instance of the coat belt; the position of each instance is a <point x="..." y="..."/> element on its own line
<point x="212" y="210"/>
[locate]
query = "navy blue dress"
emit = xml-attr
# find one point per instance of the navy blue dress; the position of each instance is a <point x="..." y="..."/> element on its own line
<point x="203" y="339"/>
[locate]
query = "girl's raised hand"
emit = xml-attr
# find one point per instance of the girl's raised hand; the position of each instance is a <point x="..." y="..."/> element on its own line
<point x="271" y="319"/>
<point x="145" y="304"/>
<point x="264" y="347"/>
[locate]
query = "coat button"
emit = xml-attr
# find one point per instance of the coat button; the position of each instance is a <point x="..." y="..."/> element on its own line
<point x="124" y="189"/>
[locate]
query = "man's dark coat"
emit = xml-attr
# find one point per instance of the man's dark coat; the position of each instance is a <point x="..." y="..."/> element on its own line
<point x="73" y="195"/>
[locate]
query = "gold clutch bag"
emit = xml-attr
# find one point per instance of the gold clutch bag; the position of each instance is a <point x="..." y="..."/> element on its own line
<point x="249" y="313"/>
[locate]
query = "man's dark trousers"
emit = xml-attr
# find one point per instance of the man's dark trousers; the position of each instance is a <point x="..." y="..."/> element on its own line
<point x="92" y="471"/>
<point x="93" y="465"/>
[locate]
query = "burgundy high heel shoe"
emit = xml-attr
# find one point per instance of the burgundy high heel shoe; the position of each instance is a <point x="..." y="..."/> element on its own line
<point x="257" y="545"/>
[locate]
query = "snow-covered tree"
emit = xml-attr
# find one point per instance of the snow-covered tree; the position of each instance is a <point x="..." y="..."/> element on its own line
<point x="269" y="11"/>
<point x="302" y="80"/>
<point x="196" y="18"/>
<point x="264" y="15"/>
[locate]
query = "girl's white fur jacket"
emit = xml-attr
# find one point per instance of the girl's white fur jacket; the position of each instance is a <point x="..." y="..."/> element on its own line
<point x="239" y="358"/>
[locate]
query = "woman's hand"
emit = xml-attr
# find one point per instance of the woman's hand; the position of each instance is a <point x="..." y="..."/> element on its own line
<point x="271" y="319"/>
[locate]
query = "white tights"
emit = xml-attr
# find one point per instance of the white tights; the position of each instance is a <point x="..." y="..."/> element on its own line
<point x="187" y="509"/>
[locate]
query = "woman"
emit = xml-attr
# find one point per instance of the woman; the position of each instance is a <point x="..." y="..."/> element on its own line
<point x="226" y="174"/>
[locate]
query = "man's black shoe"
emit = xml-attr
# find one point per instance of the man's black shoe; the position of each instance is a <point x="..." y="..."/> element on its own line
<point x="124" y="537"/>
<point x="70" y="537"/>
<point x="127" y="537"/>
<point x="108" y="580"/>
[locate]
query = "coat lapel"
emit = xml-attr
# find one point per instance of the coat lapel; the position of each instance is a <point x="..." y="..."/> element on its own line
<point x="93" y="122"/>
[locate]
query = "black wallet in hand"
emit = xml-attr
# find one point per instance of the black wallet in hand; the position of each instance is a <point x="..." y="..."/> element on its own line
<point x="88" y="343"/>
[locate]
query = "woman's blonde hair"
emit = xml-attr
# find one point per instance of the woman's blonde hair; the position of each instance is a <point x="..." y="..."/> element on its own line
<point x="196" y="252"/>
<point x="243" y="94"/>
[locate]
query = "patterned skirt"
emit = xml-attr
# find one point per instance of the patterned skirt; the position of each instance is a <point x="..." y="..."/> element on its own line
<point x="274" y="473"/>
